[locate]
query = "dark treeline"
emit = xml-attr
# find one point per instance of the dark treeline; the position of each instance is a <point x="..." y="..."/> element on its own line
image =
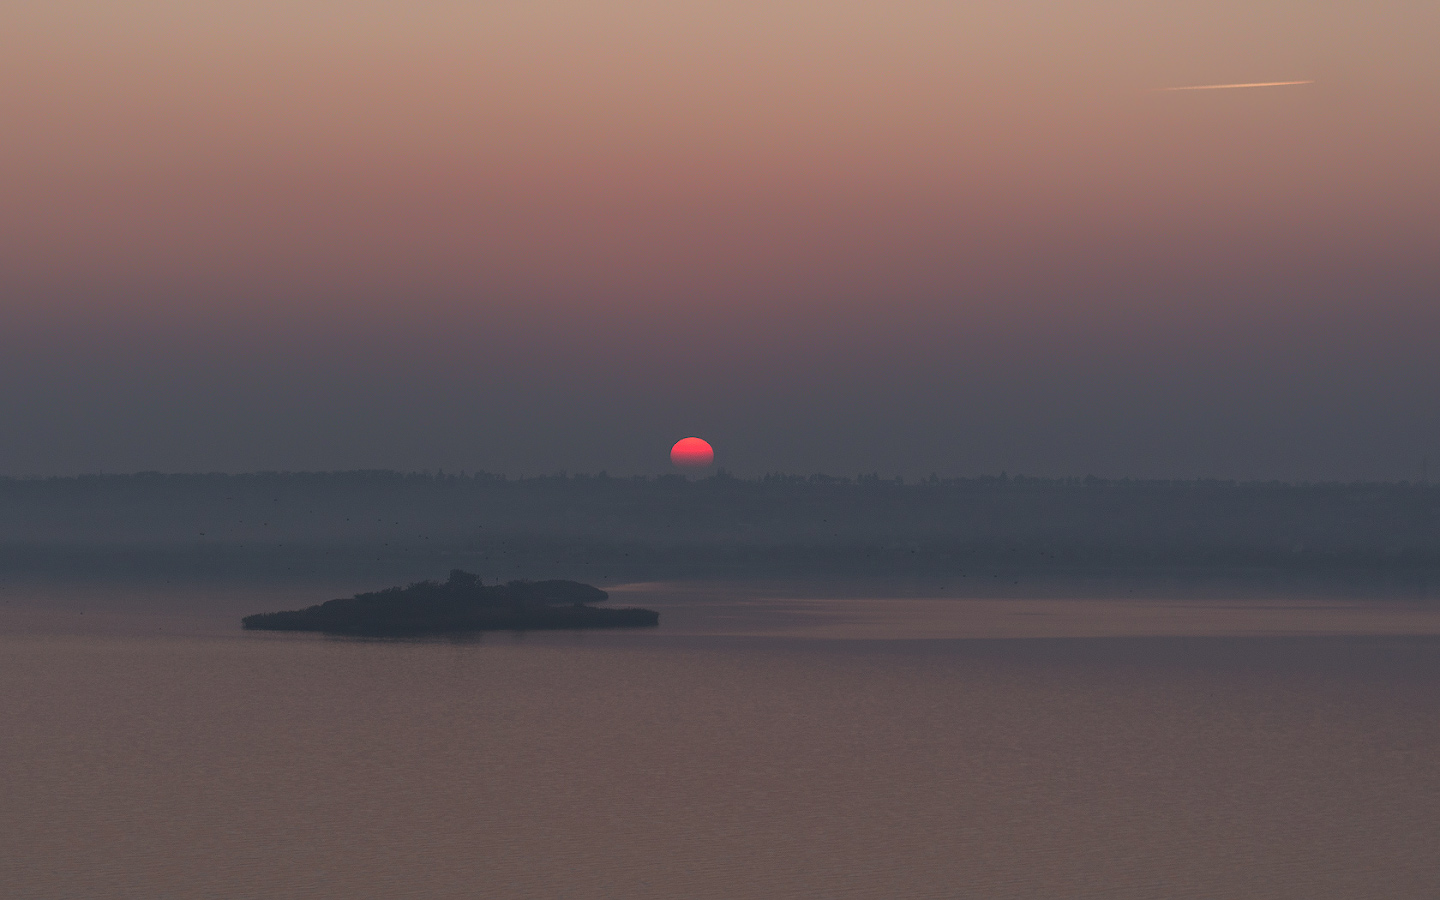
<point x="669" y="526"/>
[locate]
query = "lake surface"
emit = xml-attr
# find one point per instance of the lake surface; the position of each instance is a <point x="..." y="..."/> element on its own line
<point x="765" y="741"/>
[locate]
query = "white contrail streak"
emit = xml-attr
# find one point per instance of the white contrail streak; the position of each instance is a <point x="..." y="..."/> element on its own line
<point x="1223" y="87"/>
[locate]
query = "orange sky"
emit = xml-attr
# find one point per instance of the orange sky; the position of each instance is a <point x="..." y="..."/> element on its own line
<point x="766" y="189"/>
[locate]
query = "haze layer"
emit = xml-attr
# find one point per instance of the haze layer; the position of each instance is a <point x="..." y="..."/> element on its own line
<point x="826" y="236"/>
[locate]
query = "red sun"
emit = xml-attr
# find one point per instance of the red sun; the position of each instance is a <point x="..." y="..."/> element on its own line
<point x="692" y="453"/>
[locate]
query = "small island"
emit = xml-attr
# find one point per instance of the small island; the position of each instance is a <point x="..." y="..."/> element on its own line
<point x="462" y="603"/>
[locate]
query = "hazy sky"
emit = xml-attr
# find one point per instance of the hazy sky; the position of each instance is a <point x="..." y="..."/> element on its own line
<point x="838" y="236"/>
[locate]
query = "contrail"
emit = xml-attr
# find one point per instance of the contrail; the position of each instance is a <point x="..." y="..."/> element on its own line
<point x="1222" y="87"/>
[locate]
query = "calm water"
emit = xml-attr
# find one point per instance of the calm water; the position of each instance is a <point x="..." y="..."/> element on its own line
<point x="758" y="744"/>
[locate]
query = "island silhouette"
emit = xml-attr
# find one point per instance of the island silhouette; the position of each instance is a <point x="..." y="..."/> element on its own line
<point x="461" y="603"/>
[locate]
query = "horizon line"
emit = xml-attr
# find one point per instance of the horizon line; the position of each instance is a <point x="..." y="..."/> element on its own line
<point x="717" y="471"/>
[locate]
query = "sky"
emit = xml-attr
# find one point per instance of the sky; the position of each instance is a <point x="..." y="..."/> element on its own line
<point x="904" y="237"/>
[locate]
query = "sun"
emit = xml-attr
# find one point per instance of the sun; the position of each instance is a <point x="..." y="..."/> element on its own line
<point x="692" y="453"/>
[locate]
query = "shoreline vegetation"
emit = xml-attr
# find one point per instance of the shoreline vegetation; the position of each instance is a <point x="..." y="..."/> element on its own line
<point x="460" y="604"/>
<point x="393" y="527"/>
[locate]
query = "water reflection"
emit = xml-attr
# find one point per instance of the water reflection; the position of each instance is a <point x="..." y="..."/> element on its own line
<point x="780" y="610"/>
<point x="730" y="753"/>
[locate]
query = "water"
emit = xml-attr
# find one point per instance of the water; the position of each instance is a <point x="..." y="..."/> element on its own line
<point x="758" y="744"/>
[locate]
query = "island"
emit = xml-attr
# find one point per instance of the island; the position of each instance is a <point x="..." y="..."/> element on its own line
<point x="461" y="603"/>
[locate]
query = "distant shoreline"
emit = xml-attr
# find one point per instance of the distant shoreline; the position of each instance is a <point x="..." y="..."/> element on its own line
<point x="387" y="525"/>
<point x="613" y="564"/>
